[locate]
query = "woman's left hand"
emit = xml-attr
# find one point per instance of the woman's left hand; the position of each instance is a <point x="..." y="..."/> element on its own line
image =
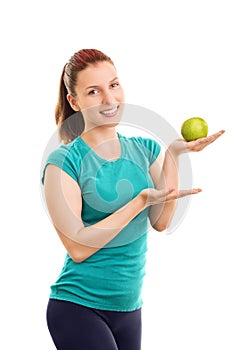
<point x="180" y="146"/>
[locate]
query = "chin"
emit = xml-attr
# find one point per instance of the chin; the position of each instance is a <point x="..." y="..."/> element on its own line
<point x="111" y="125"/>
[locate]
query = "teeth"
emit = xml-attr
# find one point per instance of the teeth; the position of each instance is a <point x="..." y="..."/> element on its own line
<point x="110" y="111"/>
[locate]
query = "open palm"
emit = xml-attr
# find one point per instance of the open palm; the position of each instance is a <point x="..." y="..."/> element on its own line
<point x="180" y="146"/>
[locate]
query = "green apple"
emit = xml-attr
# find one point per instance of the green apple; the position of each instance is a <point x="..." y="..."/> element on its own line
<point x="194" y="128"/>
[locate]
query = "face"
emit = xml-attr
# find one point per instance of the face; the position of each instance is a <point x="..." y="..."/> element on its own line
<point x="99" y="95"/>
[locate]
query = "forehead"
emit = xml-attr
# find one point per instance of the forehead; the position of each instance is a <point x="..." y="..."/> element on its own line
<point x="96" y="74"/>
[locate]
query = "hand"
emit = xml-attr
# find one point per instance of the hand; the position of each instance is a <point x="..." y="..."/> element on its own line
<point x="153" y="196"/>
<point x="181" y="146"/>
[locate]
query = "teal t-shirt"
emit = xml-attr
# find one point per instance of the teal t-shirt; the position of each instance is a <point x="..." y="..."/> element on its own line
<point x="112" y="278"/>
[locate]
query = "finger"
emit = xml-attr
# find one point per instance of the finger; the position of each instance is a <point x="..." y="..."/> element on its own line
<point x="209" y="138"/>
<point x="219" y="133"/>
<point x="203" y="142"/>
<point x="183" y="193"/>
<point x="215" y="136"/>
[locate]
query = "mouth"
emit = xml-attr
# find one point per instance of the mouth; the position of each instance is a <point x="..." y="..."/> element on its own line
<point x="110" y="112"/>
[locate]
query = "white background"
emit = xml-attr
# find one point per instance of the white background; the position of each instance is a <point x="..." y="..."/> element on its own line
<point x="174" y="57"/>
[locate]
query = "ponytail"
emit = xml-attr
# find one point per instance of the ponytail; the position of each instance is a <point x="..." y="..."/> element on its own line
<point x="70" y="123"/>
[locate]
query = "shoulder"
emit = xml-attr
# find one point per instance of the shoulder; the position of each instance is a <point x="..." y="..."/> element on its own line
<point x="148" y="145"/>
<point x="67" y="157"/>
<point x="70" y="150"/>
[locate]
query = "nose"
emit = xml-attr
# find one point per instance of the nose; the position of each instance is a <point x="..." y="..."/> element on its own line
<point x="108" y="97"/>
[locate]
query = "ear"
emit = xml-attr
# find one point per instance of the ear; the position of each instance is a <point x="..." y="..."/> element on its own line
<point x="73" y="103"/>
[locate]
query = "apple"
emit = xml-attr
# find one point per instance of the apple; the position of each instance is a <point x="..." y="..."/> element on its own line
<point x="194" y="128"/>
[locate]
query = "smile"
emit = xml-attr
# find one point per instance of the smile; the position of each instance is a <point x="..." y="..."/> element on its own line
<point x="110" y="112"/>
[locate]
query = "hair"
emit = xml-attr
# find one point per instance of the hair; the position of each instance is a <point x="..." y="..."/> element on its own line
<point x="71" y="123"/>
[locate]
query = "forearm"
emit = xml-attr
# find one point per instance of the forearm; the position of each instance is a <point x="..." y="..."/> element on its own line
<point x="64" y="204"/>
<point x="170" y="170"/>
<point x="161" y="215"/>
<point x="99" y="234"/>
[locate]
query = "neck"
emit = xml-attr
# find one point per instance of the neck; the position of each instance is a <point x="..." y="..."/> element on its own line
<point x="99" y="134"/>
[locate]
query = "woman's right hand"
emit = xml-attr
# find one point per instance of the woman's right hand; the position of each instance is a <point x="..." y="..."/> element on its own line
<point x="153" y="196"/>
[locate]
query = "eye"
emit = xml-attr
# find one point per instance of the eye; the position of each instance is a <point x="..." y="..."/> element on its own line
<point x="93" y="92"/>
<point x="114" y="85"/>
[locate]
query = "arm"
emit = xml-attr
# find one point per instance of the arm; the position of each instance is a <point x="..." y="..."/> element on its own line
<point x="64" y="203"/>
<point x="161" y="215"/>
<point x="165" y="174"/>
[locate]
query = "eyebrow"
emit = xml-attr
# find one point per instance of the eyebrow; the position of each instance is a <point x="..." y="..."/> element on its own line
<point x="96" y="86"/>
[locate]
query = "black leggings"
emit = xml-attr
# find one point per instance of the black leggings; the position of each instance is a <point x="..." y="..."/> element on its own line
<point x="76" y="327"/>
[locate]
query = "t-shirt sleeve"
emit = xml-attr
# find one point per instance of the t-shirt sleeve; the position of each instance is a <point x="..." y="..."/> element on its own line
<point x="152" y="148"/>
<point x="64" y="158"/>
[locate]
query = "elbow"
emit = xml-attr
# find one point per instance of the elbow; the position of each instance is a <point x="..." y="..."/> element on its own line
<point x="82" y="254"/>
<point x="78" y="258"/>
<point x="160" y="227"/>
<point x="162" y="224"/>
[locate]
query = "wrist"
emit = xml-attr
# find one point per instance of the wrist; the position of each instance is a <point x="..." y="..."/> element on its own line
<point x="143" y="197"/>
<point x="175" y="149"/>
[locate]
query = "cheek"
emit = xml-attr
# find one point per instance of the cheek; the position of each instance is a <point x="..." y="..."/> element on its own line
<point x="90" y="112"/>
<point x="121" y="95"/>
<point x="89" y="103"/>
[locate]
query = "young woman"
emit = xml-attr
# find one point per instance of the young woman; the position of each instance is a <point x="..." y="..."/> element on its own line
<point x="101" y="189"/>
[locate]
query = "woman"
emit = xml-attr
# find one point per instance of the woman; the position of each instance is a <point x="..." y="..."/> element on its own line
<point x="100" y="189"/>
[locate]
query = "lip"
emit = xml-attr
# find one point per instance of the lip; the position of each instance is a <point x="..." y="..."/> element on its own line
<point x="110" y="112"/>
